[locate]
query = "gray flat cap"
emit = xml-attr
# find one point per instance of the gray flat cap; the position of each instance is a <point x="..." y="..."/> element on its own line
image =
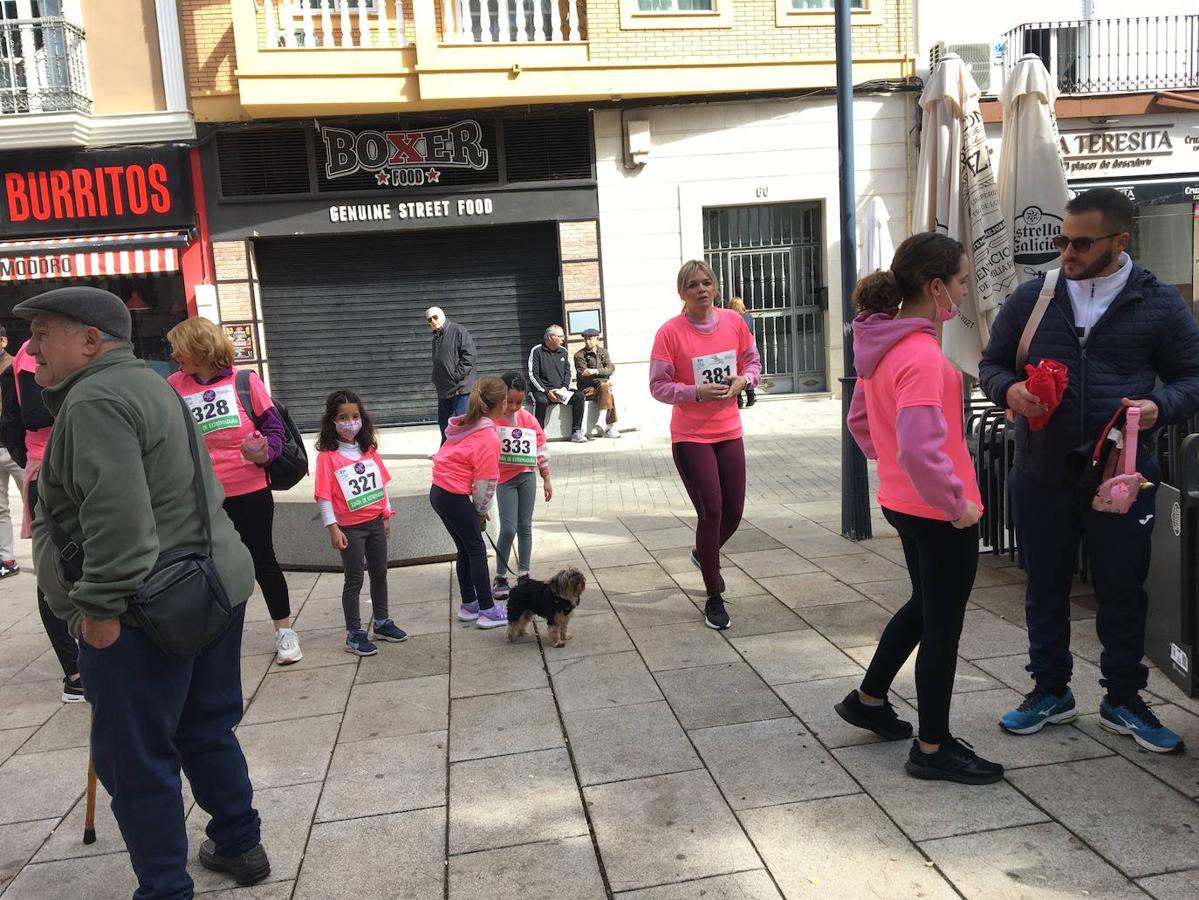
<point x="88" y="305"/>
<point x="590" y="332"/>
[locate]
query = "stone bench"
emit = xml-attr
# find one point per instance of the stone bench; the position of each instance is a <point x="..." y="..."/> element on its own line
<point x="557" y="420"/>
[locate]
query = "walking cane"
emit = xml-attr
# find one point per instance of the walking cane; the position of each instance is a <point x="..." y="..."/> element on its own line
<point x="89" y="816"/>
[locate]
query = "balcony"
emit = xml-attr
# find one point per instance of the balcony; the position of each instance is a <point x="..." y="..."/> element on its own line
<point x="42" y="67"/>
<point x="1101" y="56"/>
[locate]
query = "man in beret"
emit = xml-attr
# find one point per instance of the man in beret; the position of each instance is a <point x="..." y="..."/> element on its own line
<point x="593" y="368"/>
<point x="118" y="479"/>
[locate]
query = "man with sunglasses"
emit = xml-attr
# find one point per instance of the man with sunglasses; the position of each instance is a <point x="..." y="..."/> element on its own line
<point x="453" y="366"/>
<point x="1128" y="339"/>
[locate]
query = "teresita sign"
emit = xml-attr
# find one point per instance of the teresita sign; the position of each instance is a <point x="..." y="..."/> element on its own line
<point x="95" y="191"/>
<point x="405" y="158"/>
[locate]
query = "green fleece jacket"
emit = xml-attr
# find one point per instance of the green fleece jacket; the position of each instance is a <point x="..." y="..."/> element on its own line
<point x="118" y="478"/>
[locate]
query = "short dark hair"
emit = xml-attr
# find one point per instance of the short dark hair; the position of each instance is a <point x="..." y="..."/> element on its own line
<point x="515" y="381"/>
<point x="1117" y="210"/>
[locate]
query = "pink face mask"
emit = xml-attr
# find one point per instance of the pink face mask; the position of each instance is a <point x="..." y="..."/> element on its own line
<point x="945" y="314"/>
<point x="347" y="431"/>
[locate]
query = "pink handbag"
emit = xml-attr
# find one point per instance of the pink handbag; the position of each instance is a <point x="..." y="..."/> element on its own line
<point x="1121" y="482"/>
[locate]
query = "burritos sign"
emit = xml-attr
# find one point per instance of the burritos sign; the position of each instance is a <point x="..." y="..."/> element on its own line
<point x="405" y="158"/>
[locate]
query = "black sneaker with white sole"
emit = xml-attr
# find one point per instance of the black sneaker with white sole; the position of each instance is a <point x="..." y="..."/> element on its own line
<point x="882" y="719"/>
<point x="72" y="691"/>
<point x="955" y="760"/>
<point x="715" y="615"/>
<point x="695" y="562"/>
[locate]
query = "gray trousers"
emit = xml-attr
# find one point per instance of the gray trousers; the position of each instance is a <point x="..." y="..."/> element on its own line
<point x="8" y="469"/>
<point x="366" y="542"/>
<point x="516" y="499"/>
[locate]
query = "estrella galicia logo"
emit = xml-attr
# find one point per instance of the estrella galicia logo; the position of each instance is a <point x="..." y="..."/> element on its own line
<point x="209" y="396"/>
<point x="516" y="433"/>
<point x="1032" y="238"/>
<point x="359" y="468"/>
<point x="405" y="158"/>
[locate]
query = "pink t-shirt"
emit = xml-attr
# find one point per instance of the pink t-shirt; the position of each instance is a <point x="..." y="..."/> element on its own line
<point x="914" y="372"/>
<point x="35" y="441"/>
<point x="523" y="426"/>
<point x="708" y="357"/>
<point x="459" y="464"/>
<point x="357" y="488"/>
<point x="224" y="424"/>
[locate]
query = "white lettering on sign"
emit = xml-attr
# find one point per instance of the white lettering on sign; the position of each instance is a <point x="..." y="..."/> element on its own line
<point x="423" y="209"/>
<point x="416" y="209"/>
<point x="19" y="268"/>
<point x="362" y="212"/>
<point x="473" y="207"/>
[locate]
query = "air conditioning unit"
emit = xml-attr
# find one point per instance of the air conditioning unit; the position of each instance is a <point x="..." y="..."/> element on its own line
<point x="979" y="60"/>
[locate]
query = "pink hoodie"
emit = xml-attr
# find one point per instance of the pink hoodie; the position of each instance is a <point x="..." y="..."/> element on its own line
<point x="468" y="463"/>
<point x="907" y="413"/>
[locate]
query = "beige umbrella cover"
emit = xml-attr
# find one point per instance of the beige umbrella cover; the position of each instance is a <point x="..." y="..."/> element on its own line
<point x="877" y="247"/>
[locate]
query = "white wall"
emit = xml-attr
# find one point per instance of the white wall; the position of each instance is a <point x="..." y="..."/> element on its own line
<point x="724" y="155"/>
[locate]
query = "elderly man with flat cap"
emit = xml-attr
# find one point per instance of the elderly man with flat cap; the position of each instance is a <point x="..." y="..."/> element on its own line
<point x="118" y="479"/>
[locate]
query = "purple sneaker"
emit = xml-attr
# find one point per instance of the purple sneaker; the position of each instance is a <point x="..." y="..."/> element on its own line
<point x="493" y="616"/>
<point x="468" y="612"/>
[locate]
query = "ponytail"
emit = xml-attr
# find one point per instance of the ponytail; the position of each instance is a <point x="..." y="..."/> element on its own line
<point x="916" y="262"/>
<point x="878" y="292"/>
<point x="486" y="396"/>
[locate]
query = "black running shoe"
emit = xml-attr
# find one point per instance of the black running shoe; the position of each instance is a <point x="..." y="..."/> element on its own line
<point x="955" y="760"/>
<point x="882" y="720"/>
<point x="695" y="562"/>
<point x="714" y="614"/>
<point x="246" y="868"/>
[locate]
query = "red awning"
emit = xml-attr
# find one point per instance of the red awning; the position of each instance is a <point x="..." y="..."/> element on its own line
<point x="51" y="259"/>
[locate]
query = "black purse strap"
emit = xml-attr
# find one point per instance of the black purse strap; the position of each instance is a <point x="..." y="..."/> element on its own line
<point x="71" y="554"/>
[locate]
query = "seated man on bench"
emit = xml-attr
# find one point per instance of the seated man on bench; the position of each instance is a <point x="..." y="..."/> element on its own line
<point x="593" y="368"/>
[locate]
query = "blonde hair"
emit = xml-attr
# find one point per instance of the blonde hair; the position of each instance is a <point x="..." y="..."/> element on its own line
<point x="690" y="267"/>
<point x="486" y="396"/>
<point x="203" y="341"/>
<point x="737" y="304"/>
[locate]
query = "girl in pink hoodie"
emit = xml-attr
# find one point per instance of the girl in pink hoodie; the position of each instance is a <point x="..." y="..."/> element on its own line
<point x="907" y="414"/>
<point x="465" y="472"/>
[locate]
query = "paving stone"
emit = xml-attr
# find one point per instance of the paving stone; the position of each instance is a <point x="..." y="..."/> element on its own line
<point x="649" y="608"/>
<point x="18" y="843"/>
<point x="1179" y="770"/>
<point x="44" y="668"/>
<point x="1096" y="799"/>
<point x="860" y="567"/>
<point x="816" y="589"/>
<point x="821" y="545"/>
<point x="812" y="702"/>
<point x="595" y="532"/>
<point x="594" y="682"/>
<point x="467" y="636"/>
<point x="612" y="555"/>
<point x="275" y="890"/>
<point x="667" y="828"/>
<point x="755" y="885"/>
<point x="771" y="563"/>
<point x="543" y="871"/>
<point x="667" y="538"/>
<point x="290" y="752"/>
<point x="507" y="668"/>
<point x="933" y="809"/>
<point x="748" y="539"/>
<point x="1084" y="642"/>
<point x="634" y="579"/>
<point x="841" y="847"/>
<point x="639" y="523"/>
<point x="41" y="785"/>
<point x="101" y="877"/>
<point x="498" y="724"/>
<point x="514" y="799"/>
<point x="736" y="583"/>
<point x="1175" y="886"/>
<point x="315" y="692"/>
<point x="677" y="560"/>
<point x="768" y="763"/>
<point x="253" y="670"/>
<point x="984" y="635"/>
<point x="625" y="742"/>
<point x="385" y="775"/>
<point x="794" y="656"/>
<point x="723" y="694"/>
<point x="391" y="708"/>
<point x="887" y="547"/>
<point x="848" y="624"/>
<point x="967" y="678"/>
<point x="1033" y="862"/>
<point x="22" y="705"/>
<point x="337" y="861"/>
<point x="762" y="614"/>
<point x="890" y="594"/>
<point x="681" y="646"/>
<point x="417" y="657"/>
<point x="325" y="613"/>
<point x="286" y="814"/>
<point x="12" y="739"/>
<point x="591" y="634"/>
<point x="428" y="617"/>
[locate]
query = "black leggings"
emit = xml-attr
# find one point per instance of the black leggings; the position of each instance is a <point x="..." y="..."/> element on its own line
<point x="941" y="562"/>
<point x="253" y="515"/>
<point x="461" y="520"/>
<point x="61" y="642"/>
<point x="714" y="476"/>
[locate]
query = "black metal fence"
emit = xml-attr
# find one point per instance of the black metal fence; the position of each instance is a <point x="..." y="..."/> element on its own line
<point x="42" y="67"/>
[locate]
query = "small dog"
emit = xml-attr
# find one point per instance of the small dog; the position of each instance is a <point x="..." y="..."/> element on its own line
<point x="553" y="600"/>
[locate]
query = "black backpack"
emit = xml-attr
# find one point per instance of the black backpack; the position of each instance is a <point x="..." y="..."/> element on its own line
<point x="292" y="465"/>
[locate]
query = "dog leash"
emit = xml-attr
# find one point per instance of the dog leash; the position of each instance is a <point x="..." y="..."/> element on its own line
<point x="495" y="549"/>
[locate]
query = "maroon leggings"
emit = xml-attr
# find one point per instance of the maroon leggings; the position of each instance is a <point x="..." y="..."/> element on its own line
<point x="714" y="475"/>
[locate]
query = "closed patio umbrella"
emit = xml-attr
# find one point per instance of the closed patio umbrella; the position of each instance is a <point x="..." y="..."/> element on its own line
<point x="877" y="247"/>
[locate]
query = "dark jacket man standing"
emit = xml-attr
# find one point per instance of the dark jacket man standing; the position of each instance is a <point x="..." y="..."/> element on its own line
<point x="1119" y="331"/>
<point x="453" y="366"/>
<point x="549" y="380"/>
<point x="118" y="478"/>
<point x="593" y="368"/>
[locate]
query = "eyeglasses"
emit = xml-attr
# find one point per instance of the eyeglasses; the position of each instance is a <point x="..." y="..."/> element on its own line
<point x="430" y="318"/>
<point x="1081" y="244"/>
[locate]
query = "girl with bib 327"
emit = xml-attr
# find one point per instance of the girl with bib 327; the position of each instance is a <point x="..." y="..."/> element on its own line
<point x="701" y="361"/>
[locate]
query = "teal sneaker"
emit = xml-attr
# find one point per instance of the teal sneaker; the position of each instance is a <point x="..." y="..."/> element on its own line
<point x="1133" y="717"/>
<point x="1039" y="708"/>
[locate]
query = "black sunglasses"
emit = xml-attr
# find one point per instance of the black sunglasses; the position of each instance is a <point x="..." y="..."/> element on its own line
<point x="1081" y="244"/>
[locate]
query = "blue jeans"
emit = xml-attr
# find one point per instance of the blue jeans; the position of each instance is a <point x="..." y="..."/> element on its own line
<point x="516" y="499"/>
<point x="1049" y="527"/>
<point x="151" y="714"/>
<point x="450" y="406"/>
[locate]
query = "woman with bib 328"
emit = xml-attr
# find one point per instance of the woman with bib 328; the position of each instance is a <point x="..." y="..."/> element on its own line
<point x="208" y="385"/>
<point x="702" y="359"/>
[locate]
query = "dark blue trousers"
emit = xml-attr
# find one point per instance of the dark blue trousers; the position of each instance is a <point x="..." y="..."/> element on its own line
<point x="458" y="514"/>
<point x="1049" y="527"/>
<point x="151" y="715"/>
<point x="451" y="406"/>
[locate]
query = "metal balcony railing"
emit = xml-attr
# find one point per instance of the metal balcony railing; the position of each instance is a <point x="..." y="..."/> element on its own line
<point x="42" y="67"/>
<point x="513" y="21"/>
<point x="334" y="23"/>
<point x="1147" y="53"/>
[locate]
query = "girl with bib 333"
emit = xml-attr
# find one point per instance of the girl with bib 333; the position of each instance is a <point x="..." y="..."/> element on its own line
<point x="702" y="359"/>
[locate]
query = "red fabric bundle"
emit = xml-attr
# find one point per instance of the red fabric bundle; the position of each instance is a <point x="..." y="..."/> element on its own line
<point x="1047" y="382"/>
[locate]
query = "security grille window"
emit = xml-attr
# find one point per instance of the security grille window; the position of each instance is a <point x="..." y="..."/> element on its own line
<point x="263" y="162"/>
<point x="548" y="149"/>
<point x="676" y="5"/>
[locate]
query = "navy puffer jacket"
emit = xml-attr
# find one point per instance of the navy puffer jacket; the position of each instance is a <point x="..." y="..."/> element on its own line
<point x="1146" y="346"/>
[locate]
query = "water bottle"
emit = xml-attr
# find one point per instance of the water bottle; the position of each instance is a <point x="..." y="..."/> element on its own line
<point x="254" y="442"/>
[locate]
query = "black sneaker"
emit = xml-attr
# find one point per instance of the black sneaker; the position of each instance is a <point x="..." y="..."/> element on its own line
<point x="955" y="760"/>
<point x="882" y="720"/>
<point x="72" y="691"/>
<point x="714" y="614"/>
<point x="8" y="567"/>
<point x="695" y="562"/>
<point x="246" y="868"/>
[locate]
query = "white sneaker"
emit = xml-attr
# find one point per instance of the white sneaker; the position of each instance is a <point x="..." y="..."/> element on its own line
<point x="287" y="647"/>
<point x="579" y="438"/>
<point x="611" y="432"/>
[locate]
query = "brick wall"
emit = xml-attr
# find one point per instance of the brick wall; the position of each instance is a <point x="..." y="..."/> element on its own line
<point x="206" y="28"/>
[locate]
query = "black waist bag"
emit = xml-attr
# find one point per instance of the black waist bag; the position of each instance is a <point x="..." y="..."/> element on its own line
<point x="181" y="606"/>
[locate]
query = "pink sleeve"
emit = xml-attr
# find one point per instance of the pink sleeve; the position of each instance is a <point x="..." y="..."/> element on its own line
<point x="259" y="398"/>
<point x="664" y="388"/>
<point x="857" y="422"/>
<point x="324" y="477"/>
<point x="920" y="432"/>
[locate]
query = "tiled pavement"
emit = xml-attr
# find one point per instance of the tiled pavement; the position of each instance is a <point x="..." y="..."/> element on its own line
<point x="649" y="759"/>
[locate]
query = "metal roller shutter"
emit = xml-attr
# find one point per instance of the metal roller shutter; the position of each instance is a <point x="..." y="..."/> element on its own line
<point x="349" y="311"/>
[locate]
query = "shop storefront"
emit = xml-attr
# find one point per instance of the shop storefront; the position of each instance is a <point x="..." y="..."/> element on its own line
<point x="330" y="240"/>
<point x="119" y="219"/>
